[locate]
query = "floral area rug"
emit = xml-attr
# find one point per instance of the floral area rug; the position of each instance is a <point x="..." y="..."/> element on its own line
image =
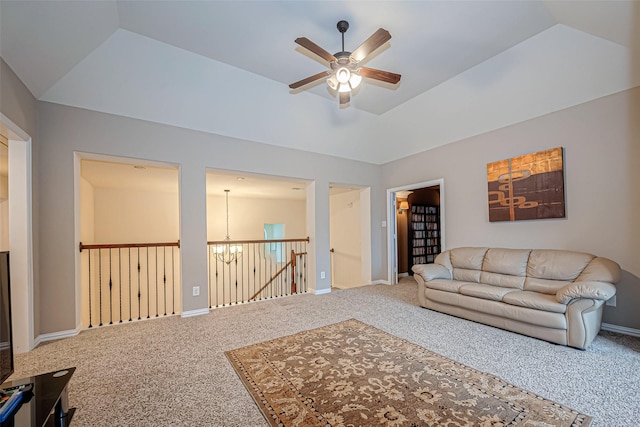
<point x="352" y="374"/>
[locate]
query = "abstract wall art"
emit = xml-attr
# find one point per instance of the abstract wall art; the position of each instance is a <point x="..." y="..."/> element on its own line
<point x="527" y="187"/>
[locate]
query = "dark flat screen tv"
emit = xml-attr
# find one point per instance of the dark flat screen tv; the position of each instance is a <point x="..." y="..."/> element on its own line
<point x="6" y="342"/>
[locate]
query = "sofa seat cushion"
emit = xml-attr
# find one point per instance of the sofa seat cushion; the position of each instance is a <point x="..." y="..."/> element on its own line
<point x="446" y="285"/>
<point x="502" y="280"/>
<point x="544" y="286"/>
<point x="480" y="290"/>
<point x="465" y="275"/>
<point x="535" y="300"/>
<point x="531" y="316"/>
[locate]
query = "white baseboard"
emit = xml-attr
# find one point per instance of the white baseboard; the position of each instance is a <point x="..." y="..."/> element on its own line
<point x="380" y="282"/>
<point x="192" y="313"/>
<point x="403" y="274"/>
<point x="55" y="336"/>
<point x="620" y="329"/>
<point x="320" y="291"/>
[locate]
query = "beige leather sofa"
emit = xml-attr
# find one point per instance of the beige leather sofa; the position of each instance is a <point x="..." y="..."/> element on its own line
<point x="553" y="295"/>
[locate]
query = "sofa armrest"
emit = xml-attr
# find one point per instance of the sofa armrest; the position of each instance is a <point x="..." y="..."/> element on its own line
<point x="585" y="289"/>
<point x="431" y="271"/>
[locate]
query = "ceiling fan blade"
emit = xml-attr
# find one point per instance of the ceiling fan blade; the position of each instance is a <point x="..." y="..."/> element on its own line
<point x="344" y="98"/>
<point x="308" y="44"/>
<point x="376" y="40"/>
<point x="384" y="76"/>
<point x="308" y="80"/>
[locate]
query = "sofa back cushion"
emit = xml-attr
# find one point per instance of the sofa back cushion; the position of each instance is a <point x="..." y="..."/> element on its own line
<point x="505" y="267"/>
<point x="549" y="270"/>
<point x="466" y="263"/>
<point x="539" y="270"/>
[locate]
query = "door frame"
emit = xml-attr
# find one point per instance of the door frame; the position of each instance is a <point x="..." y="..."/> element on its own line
<point x="392" y="226"/>
<point x="21" y="235"/>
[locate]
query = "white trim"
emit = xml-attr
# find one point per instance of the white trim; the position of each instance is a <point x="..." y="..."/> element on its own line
<point x="56" y="336"/>
<point x="21" y="234"/>
<point x="380" y="282"/>
<point x="391" y="221"/>
<point x="392" y="230"/>
<point x="192" y="313"/>
<point x="320" y="291"/>
<point x="620" y="329"/>
<point x="403" y="274"/>
<point x="77" y="208"/>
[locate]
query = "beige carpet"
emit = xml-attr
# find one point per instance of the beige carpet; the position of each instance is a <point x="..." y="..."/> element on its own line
<point x="173" y="371"/>
<point x="352" y="374"/>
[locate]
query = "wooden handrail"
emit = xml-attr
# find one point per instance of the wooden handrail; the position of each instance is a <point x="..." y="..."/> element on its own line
<point x="213" y="242"/>
<point x="293" y="255"/>
<point x="236" y="242"/>
<point x="271" y="280"/>
<point x="127" y="245"/>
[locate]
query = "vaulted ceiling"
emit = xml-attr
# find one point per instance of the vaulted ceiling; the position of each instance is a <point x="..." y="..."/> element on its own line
<point x="223" y="67"/>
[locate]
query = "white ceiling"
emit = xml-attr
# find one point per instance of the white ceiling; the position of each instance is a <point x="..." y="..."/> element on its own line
<point x="223" y="67"/>
<point x="143" y="176"/>
<point x="254" y="186"/>
<point x="136" y="177"/>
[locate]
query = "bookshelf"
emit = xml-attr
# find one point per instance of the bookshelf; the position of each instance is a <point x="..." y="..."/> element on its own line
<point x="424" y="234"/>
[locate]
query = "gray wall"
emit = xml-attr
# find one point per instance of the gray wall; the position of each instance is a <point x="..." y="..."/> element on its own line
<point x="65" y="130"/>
<point x="16" y="102"/>
<point x="602" y="167"/>
<point x="602" y="172"/>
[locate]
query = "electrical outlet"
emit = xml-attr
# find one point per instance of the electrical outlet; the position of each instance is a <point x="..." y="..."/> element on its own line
<point x="611" y="302"/>
<point x="322" y="275"/>
<point x="196" y="291"/>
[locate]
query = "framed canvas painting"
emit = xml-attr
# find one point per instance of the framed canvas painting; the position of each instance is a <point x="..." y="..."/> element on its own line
<point x="527" y="187"/>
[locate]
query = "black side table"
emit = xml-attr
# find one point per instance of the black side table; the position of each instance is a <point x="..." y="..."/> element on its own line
<point x="49" y="405"/>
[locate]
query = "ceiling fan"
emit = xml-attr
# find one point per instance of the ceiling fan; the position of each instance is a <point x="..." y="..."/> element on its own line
<point x="345" y="74"/>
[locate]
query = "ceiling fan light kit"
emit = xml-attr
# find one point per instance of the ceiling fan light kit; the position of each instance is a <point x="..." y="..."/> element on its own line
<point x="345" y="75"/>
<point x="227" y="252"/>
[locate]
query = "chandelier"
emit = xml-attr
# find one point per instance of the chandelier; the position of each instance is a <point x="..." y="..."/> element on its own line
<point x="227" y="252"/>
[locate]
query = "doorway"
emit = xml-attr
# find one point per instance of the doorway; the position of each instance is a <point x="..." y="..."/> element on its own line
<point x="129" y="262"/>
<point x="265" y="251"/>
<point x="429" y="193"/>
<point x="350" y="236"/>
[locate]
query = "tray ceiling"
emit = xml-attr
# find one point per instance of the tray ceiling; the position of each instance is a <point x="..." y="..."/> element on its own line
<point x="223" y="67"/>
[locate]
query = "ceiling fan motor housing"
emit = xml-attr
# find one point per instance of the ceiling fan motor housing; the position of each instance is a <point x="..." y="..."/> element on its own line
<point x="343" y="59"/>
